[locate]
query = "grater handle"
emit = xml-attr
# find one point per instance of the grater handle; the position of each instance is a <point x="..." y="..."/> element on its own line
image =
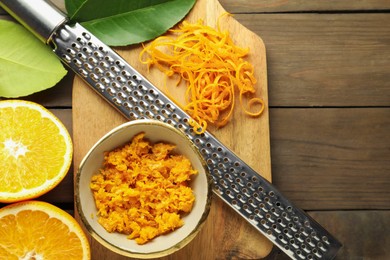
<point x="42" y="18"/>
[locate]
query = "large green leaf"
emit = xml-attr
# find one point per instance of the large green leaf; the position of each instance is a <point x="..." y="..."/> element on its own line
<point x="125" y="22"/>
<point x="26" y="64"/>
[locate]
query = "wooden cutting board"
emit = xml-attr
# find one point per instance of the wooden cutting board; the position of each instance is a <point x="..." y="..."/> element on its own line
<point x="225" y="234"/>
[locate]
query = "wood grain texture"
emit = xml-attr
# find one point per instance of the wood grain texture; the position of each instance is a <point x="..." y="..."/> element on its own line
<point x="251" y="6"/>
<point x="320" y="54"/>
<point x="332" y="158"/>
<point x="364" y="234"/>
<point x="325" y="60"/>
<point x="225" y="234"/>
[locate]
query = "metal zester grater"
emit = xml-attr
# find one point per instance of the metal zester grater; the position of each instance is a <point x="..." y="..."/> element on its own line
<point x="249" y="194"/>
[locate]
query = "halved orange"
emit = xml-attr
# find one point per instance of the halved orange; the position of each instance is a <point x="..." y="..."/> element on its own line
<point x="35" y="150"/>
<point x="39" y="230"/>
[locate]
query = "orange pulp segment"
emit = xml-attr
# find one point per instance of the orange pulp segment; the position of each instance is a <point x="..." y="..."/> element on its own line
<point x="35" y="150"/>
<point x="39" y="230"/>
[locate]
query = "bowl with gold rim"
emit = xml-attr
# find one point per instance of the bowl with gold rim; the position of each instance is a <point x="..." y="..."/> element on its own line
<point x="143" y="190"/>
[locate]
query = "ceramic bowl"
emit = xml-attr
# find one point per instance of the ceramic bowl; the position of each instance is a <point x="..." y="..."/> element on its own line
<point x="164" y="244"/>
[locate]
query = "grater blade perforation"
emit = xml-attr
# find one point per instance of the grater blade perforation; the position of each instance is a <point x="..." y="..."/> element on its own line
<point x="249" y="194"/>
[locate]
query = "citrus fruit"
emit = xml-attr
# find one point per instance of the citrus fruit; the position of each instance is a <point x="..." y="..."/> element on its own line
<point x="39" y="230"/>
<point x="35" y="150"/>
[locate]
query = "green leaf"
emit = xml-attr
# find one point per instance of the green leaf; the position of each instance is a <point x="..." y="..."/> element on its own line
<point x="126" y="22"/>
<point x="26" y="64"/>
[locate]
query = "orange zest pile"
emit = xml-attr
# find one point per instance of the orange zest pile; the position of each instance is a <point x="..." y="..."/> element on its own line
<point x="212" y="67"/>
<point x="142" y="189"/>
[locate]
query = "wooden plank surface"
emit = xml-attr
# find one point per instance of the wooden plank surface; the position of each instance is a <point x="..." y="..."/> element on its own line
<point x="251" y="6"/>
<point x="332" y="158"/>
<point x="225" y="233"/>
<point x="364" y="234"/>
<point x="325" y="59"/>
<point x="349" y="142"/>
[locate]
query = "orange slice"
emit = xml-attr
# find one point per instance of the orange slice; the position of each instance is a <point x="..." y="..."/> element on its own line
<point x="35" y="150"/>
<point x="39" y="230"/>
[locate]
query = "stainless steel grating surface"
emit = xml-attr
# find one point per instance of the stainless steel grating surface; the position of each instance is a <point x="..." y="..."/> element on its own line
<point x="253" y="197"/>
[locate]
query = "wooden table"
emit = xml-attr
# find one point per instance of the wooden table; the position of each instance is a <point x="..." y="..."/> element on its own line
<point x="329" y="101"/>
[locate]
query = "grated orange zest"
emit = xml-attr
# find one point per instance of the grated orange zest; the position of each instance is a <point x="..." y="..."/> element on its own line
<point x="212" y="67"/>
<point x="142" y="189"/>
